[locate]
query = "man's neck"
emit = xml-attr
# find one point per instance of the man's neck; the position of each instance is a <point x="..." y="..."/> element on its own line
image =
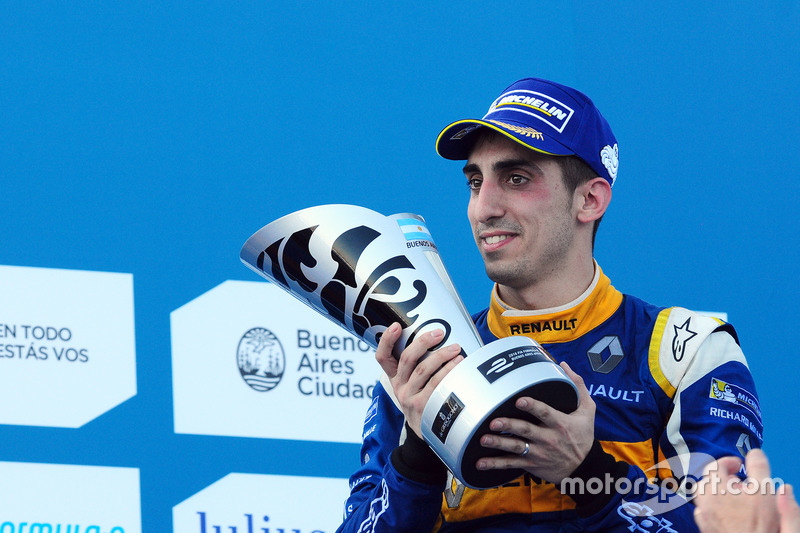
<point x="551" y="291"/>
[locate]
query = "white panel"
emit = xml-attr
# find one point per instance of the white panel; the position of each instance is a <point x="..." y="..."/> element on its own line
<point x="81" y="498"/>
<point x="224" y="344"/>
<point x="67" y="348"/>
<point x="255" y="503"/>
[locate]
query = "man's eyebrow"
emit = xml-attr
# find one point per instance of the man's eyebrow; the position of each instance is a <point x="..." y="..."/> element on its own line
<point x="503" y="164"/>
<point x="469" y="168"/>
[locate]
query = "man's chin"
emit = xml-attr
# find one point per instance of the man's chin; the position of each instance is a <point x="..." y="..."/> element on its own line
<point x="502" y="276"/>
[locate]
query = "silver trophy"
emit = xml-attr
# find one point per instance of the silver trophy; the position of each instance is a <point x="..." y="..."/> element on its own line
<point x="365" y="271"/>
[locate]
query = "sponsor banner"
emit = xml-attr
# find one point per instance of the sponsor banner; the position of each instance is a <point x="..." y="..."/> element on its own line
<point x="250" y="360"/>
<point x="67" y="345"/>
<point x="252" y="503"/>
<point x="49" y="498"/>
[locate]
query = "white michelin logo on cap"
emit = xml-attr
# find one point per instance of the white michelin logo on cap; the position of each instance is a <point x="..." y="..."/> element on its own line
<point x="610" y="158"/>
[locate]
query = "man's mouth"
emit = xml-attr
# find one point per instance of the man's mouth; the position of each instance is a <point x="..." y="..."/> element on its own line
<point x="494" y="239"/>
<point x="493" y="243"/>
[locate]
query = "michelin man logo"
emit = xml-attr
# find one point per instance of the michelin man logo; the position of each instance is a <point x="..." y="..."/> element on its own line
<point x="722" y="391"/>
<point x="731" y="393"/>
<point x="609" y="156"/>
<point x="261" y="359"/>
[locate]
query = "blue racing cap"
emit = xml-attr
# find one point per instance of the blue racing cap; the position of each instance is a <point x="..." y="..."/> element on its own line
<point x="544" y="116"/>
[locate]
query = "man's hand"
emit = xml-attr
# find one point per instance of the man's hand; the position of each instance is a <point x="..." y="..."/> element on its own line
<point x="413" y="382"/>
<point x="726" y="504"/>
<point x="788" y="510"/>
<point x="556" y="447"/>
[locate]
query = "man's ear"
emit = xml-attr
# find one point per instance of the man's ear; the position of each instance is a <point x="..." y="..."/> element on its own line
<point x="592" y="199"/>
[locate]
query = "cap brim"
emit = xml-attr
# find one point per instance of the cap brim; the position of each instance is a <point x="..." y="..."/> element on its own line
<point x="456" y="140"/>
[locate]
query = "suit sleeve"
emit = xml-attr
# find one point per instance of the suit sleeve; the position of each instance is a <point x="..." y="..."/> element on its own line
<point x="398" y="487"/>
<point x="713" y="411"/>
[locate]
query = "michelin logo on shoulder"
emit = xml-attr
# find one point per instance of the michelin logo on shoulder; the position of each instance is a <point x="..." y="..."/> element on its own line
<point x="728" y="392"/>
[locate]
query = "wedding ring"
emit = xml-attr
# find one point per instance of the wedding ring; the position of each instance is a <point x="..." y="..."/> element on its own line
<point x="527" y="449"/>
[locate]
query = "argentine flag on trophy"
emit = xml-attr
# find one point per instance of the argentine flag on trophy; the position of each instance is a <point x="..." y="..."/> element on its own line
<point x="414" y="229"/>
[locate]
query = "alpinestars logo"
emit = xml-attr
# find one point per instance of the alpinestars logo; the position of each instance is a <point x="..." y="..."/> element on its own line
<point x="261" y="359"/>
<point x="683" y="334"/>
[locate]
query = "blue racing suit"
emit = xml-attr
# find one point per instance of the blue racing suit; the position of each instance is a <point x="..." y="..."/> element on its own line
<point x="673" y="391"/>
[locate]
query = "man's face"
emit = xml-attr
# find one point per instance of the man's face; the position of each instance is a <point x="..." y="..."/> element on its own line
<point x="521" y="213"/>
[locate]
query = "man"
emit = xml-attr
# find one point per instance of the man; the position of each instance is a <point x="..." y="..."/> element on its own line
<point x="540" y="167"/>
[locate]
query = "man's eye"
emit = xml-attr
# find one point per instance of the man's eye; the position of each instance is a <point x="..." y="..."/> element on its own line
<point x="516" y="179"/>
<point x="474" y="183"/>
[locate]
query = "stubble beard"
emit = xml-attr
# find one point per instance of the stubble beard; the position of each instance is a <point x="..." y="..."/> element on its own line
<point x="531" y="270"/>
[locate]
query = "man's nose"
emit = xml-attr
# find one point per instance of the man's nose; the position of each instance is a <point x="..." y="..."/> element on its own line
<point x="488" y="203"/>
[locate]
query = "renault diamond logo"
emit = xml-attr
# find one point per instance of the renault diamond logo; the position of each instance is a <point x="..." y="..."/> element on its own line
<point x="743" y="444"/>
<point x="615" y="354"/>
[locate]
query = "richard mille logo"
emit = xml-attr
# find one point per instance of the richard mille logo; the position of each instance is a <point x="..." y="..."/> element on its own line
<point x="261" y="359"/>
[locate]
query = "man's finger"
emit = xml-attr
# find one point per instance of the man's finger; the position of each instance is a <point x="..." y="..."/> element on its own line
<point x="427" y="370"/>
<point x="449" y="356"/>
<point x="724" y="467"/>
<point x="788" y="509"/>
<point x="410" y="358"/>
<point x="537" y="408"/>
<point x="383" y="353"/>
<point x="757" y="464"/>
<point x="585" y="400"/>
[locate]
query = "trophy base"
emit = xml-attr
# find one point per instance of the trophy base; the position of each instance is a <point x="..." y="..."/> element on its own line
<point x="484" y="386"/>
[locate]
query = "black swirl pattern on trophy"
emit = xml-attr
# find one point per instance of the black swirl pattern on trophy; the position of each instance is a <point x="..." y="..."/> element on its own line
<point x="384" y="313"/>
<point x="295" y="254"/>
<point x="346" y="251"/>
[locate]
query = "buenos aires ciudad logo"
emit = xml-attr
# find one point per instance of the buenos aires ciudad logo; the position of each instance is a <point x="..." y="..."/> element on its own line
<point x="261" y="359"/>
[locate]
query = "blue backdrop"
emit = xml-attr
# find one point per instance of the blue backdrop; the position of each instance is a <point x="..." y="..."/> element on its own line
<point x="154" y="138"/>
